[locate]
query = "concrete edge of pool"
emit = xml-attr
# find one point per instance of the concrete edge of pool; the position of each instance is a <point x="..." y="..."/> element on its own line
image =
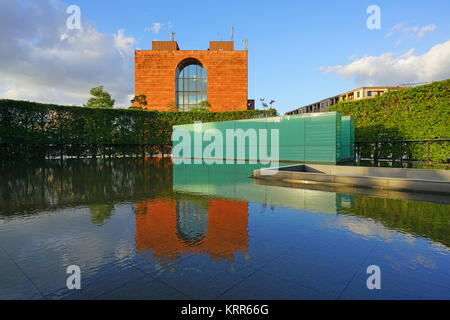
<point x="401" y="179"/>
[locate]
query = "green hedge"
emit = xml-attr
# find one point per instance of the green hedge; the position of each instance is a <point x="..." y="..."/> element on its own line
<point x="418" y="113"/>
<point x="36" y="124"/>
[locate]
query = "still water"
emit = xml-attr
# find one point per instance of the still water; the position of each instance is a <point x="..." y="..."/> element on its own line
<point x="147" y="229"/>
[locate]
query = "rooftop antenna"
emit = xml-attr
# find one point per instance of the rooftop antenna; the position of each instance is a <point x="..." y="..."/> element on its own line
<point x="172" y="36"/>
<point x="245" y="43"/>
<point x="232" y="33"/>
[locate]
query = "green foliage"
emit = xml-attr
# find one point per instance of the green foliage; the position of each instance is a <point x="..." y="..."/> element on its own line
<point x="141" y="100"/>
<point x="419" y="113"/>
<point x="100" y="99"/>
<point x="23" y="122"/>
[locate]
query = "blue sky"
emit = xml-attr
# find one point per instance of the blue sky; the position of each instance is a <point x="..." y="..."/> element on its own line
<point x="292" y="43"/>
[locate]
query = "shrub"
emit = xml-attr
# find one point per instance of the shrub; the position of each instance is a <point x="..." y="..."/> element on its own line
<point x="31" y="123"/>
<point x="418" y="113"/>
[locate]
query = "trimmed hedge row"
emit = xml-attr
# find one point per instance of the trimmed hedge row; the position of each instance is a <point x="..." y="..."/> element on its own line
<point x="418" y="113"/>
<point x="31" y="123"/>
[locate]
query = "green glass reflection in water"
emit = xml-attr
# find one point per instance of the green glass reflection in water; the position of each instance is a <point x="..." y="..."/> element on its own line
<point x="426" y="219"/>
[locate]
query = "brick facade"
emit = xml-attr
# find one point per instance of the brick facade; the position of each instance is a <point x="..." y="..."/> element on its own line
<point x="155" y="72"/>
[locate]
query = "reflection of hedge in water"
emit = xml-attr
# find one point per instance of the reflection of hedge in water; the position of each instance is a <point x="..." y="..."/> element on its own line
<point x="82" y="131"/>
<point x="82" y="182"/>
<point x="100" y="213"/>
<point x="419" y="113"/>
<point x="426" y="219"/>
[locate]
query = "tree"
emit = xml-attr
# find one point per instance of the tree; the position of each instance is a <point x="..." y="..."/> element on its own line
<point x="204" y="105"/>
<point x="101" y="99"/>
<point x="141" y="100"/>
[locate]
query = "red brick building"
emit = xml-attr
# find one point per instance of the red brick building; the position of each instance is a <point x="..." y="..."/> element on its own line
<point x="168" y="76"/>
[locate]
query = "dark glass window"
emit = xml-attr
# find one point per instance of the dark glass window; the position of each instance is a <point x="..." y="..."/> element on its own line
<point x="191" y="85"/>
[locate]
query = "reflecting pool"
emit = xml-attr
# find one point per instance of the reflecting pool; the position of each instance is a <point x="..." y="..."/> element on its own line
<point x="147" y="229"/>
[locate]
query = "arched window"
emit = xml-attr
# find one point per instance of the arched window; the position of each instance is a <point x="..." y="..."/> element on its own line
<point x="191" y="85"/>
<point x="192" y="221"/>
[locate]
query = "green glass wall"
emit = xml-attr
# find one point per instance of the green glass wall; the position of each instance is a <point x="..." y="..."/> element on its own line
<point x="314" y="138"/>
<point x="348" y="138"/>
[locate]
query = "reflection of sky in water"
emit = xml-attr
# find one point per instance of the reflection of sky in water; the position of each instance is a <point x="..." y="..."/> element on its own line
<point x="213" y="224"/>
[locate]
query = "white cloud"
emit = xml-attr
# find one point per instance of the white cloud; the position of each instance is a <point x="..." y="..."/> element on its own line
<point x="424" y="30"/>
<point x="155" y="28"/>
<point x="41" y="60"/>
<point x="368" y="228"/>
<point x="388" y="69"/>
<point x="394" y="29"/>
<point x="123" y="44"/>
<point x="415" y="32"/>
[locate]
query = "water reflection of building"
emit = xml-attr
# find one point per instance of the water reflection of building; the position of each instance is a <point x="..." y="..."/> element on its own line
<point x="170" y="228"/>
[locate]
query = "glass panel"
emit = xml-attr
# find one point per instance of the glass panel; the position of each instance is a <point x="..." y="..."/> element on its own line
<point x="196" y="67"/>
<point x="192" y="85"/>
<point x="191" y="70"/>
<point x="204" y="85"/>
<point x="189" y="98"/>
